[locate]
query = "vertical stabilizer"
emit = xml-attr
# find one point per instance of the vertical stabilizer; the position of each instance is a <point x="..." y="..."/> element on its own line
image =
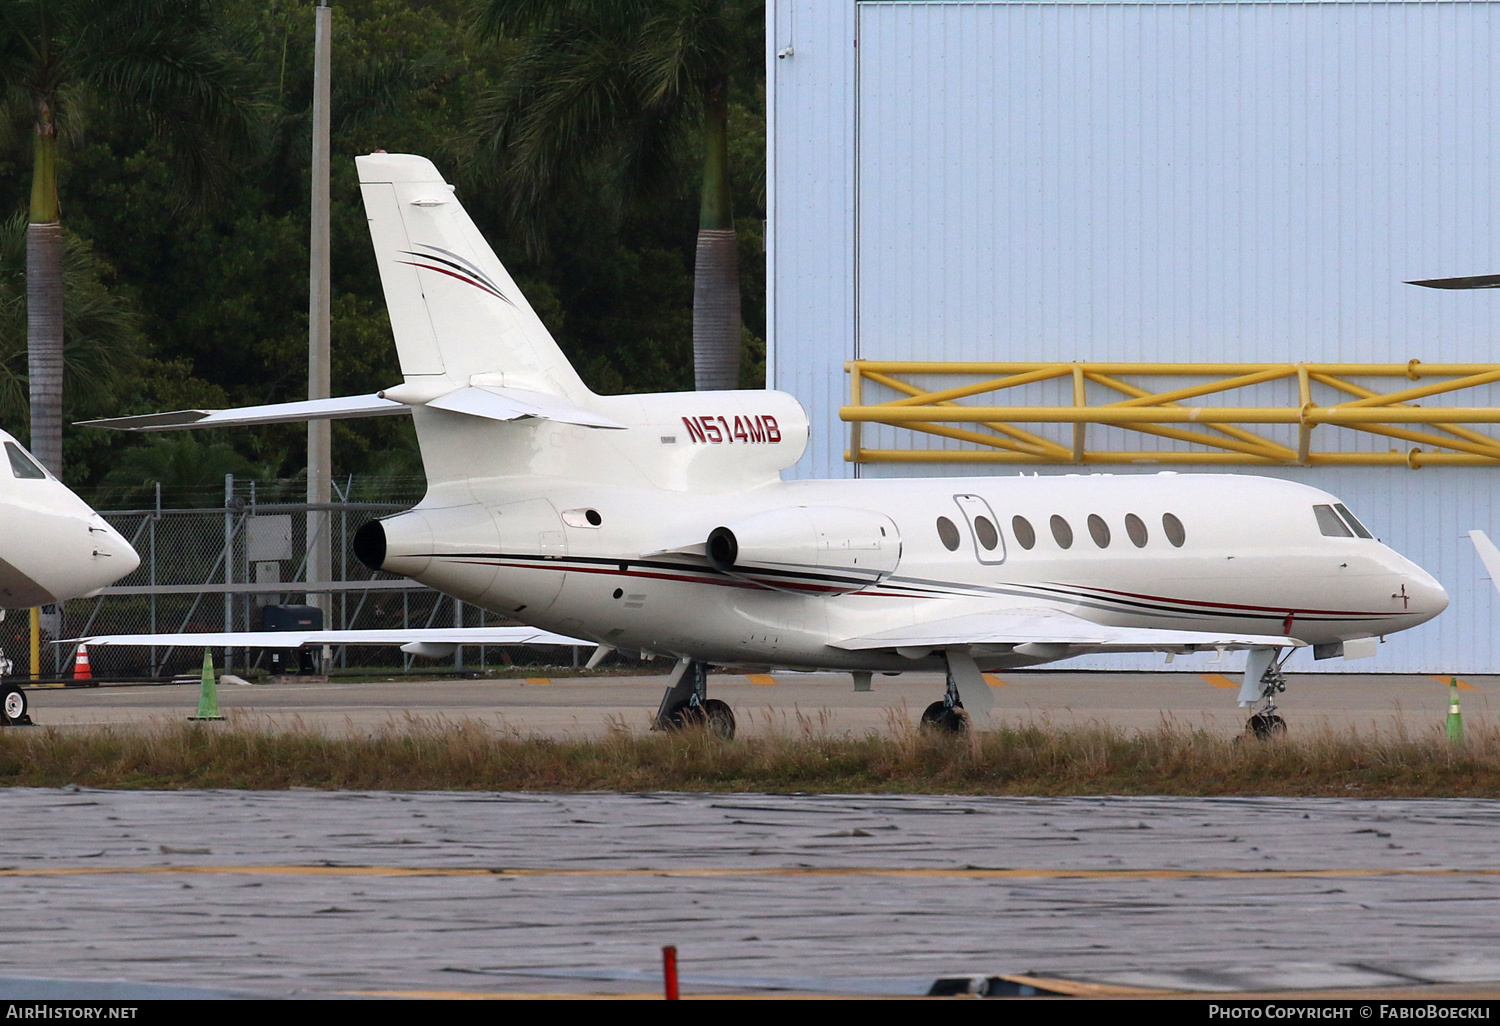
<point x="456" y="313"/>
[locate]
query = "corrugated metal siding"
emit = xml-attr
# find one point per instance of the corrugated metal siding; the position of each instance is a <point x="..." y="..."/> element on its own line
<point x="1173" y="181"/>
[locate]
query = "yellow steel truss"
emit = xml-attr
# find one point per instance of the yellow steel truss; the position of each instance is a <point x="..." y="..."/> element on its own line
<point x="1434" y="433"/>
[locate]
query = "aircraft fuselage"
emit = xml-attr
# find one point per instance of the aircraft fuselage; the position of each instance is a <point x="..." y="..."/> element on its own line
<point x="1251" y="556"/>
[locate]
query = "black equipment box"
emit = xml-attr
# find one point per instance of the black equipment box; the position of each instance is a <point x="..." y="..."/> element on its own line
<point x="287" y="661"/>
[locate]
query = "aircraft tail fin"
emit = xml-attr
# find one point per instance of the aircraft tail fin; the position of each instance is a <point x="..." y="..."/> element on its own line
<point x="1488" y="555"/>
<point x="457" y="315"/>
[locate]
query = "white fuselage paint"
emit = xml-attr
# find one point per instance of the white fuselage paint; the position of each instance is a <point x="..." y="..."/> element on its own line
<point x="53" y="547"/>
<point x="1253" y="559"/>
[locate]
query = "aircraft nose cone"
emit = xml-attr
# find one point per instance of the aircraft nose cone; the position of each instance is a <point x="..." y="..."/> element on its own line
<point x="112" y="557"/>
<point x="1426" y="597"/>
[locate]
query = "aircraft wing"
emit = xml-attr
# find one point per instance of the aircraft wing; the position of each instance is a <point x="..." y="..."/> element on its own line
<point x="296" y="639"/>
<point x="1054" y="633"/>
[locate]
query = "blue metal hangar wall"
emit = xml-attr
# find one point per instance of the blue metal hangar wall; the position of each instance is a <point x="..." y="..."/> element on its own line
<point x="1152" y="183"/>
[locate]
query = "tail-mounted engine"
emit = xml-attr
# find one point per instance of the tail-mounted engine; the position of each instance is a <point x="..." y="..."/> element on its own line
<point x="808" y="549"/>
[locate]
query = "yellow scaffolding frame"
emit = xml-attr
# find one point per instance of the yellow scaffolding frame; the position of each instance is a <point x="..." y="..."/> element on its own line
<point x="1395" y="415"/>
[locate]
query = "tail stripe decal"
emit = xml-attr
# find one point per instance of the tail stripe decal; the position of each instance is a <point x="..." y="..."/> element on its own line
<point x="461" y="269"/>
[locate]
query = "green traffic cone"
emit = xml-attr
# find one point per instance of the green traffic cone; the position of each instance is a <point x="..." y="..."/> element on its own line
<point x="1455" y="718"/>
<point x="208" y="695"/>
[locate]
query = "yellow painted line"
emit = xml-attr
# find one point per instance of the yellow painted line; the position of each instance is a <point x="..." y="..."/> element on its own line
<point x="1218" y="680"/>
<point x="539" y="680"/>
<point x="1019" y="873"/>
<point x="993" y="681"/>
<point x="765" y="680"/>
<point x="1444" y="679"/>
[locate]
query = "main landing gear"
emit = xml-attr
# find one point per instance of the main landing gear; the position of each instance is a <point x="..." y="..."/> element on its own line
<point x="686" y="703"/>
<point x="12" y="700"/>
<point x="947" y="716"/>
<point x="964" y="682"/>
<point x="1265" y="724"/>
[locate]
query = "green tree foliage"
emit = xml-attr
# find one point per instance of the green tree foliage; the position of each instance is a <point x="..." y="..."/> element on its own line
<point x="617" y="93"/>
<point x="157" y="62"/>
<point x="216" y="293"/>
<point x="183" y="464"/>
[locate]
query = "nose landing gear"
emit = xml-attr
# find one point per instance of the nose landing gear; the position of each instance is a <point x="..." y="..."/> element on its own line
<point x="12" y="698"/>
<point x="1266" y="724"/>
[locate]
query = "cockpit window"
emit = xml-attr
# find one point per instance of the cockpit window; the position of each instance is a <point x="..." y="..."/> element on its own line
<point x="22" y="465"/>
<point x="1350" y="519"/>
<point x="1330" y="524"/>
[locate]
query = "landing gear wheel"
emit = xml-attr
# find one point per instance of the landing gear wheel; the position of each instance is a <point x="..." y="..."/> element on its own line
<point x="720" y="718"/>
<point x="13" y="707"/>
<point x="713" y="715"/>
<point x="942" y="718"/>
<point x="1265" y="726"/>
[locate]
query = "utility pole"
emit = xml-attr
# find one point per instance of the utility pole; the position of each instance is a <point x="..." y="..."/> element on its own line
<point x="319" y="432"/>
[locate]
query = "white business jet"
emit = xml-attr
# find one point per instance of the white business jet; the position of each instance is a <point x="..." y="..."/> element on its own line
<point x="53" y="547"/>
<point x="660" y="523"/>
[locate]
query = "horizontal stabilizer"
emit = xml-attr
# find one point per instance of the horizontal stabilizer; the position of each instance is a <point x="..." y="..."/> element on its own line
<point x="340" y="408"/>
<point x="494" y="403"/>
<point x="488" y="402"/>
<point x="1049" y="627"/>
<point x="296" y="639"/>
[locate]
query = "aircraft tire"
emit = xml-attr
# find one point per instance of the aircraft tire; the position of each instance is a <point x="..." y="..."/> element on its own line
<point x="713" y="715"/>
<point x="1263" y="727"/>
<point x="13" y="706"/>
<point x="720" y="718"/>
<point x="939" y="718"/>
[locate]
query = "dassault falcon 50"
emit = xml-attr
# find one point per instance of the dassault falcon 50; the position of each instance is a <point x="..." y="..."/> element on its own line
<point x="660" y="523"/>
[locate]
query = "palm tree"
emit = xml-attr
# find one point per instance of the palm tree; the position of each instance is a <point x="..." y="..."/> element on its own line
<point x="104" y="343"/>
<point x="619" y="83"/>
<point x="153" y="60"/>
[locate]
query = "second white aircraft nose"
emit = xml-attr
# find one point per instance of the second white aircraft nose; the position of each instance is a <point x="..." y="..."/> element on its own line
<point x="111" y="558"/>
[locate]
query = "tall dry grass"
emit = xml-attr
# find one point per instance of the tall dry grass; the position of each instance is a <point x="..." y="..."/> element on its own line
<point x="430" y="754"/>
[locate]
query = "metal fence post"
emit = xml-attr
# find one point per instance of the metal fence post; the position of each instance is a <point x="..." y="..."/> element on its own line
<point x="155" y="519"/>
<point x="458" y="621"/>
<point x="228" y="561"/>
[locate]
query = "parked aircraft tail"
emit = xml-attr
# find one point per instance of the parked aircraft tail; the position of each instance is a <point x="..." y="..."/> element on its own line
<point x="457" y="316"/>
<point x="490" y="391"/>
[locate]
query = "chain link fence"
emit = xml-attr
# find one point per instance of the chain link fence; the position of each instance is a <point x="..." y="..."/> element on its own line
<point x="218" y="568"/>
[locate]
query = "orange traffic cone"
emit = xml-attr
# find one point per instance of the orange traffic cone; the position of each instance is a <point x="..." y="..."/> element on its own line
<point x="81" y="664"/>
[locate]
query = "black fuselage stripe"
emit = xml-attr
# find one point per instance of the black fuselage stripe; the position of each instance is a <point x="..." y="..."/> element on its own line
<point x="911" y="587"/>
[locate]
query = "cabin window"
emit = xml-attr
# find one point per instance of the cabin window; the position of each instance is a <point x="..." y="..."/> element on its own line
<point x="1099" y="530"/>
<point x="1330" y="524"/>
<point x="1352" y="521"/>
<point x="985" y="531"/>
<point x="1062" y="532"/>
<point x="1136" y="528"/>
<point x="22" y="465"/>
<point x="1024" y="532"/>
<point x="948" y="533"/>
<point x="1173" y="529"/>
